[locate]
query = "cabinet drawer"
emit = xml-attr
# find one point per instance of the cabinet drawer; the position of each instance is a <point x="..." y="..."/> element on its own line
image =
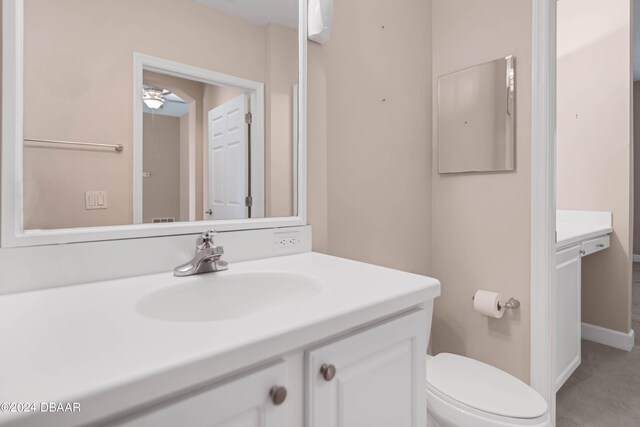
<point x="243" y="402"/>
<point x="595" y="245"/>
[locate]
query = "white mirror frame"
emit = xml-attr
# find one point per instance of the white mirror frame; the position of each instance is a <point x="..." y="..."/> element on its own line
<point x="13" y="233"/>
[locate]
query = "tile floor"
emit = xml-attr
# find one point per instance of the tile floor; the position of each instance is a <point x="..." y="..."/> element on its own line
<point x="605" y="390"/>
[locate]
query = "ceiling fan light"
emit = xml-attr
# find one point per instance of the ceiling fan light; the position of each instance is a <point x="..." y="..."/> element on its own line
<point x="154" y="104"/>
<point x="153" y="98"/>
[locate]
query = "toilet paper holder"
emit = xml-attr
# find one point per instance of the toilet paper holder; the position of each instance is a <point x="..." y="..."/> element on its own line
<point x="511" y="304"/>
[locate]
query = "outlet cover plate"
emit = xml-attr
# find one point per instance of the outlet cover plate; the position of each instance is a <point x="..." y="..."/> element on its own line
<point x="286" y="242"/>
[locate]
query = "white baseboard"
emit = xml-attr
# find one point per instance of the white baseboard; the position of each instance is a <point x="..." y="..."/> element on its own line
<point x="608" y="337"/>
<point x="636" y="258"/>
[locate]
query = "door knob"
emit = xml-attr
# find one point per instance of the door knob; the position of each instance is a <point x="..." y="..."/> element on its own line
<point x="278" y="394"/>
<point x="209" y="212"/>
<point x="327" y="371"/>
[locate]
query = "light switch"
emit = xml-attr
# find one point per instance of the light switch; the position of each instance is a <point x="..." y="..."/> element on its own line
<point x="95" y="200"/>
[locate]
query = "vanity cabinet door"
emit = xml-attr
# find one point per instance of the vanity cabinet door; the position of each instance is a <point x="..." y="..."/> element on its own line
<point x="373" y="379"/>
<point x="245" y="402"/>
<point x="568" y="313"/>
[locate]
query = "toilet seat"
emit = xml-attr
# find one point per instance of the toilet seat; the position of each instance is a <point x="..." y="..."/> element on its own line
<point x="466" y="392"/>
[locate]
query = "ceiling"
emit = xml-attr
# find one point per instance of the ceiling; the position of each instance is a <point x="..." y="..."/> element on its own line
<point x="259" y="12"/>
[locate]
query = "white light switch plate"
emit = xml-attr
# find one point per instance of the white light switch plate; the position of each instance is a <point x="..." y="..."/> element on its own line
<point x="95" y="200"/>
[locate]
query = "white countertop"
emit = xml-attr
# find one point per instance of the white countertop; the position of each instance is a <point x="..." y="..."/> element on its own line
<point x="87" y="343"/>
<point x="573" y="227"/>
<point x="569" y="234"/>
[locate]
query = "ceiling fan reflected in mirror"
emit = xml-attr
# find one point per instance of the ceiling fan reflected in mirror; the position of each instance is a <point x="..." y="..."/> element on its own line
<point x="154" y="98"/>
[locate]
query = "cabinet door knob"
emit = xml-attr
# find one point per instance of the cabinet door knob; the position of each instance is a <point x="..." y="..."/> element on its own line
<point x="327" y="371"/>
<point x="278" y="394"/>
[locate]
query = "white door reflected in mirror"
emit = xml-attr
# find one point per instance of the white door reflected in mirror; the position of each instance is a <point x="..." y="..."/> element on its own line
<point x="229" y="158"/>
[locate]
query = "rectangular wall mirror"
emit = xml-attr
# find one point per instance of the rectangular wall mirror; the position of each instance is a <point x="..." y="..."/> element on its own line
<point x="476" y="118"/>
<point x="149" y="117"/>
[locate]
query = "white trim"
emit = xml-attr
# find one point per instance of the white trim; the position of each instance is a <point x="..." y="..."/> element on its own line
<point x="608" y="337"/>
<point x="295" y="147"/>
<point x="257" y="103"/>
<point x="543" y="203"/>
<point x="569" y="370"/>
<point x="13" y="233"/>
<point x="302" y="111"/>
<point x="191" y="161"/>
<point x="636" y="258"/>
<point x="138" y="137"/>
<point x="255" y="91"/>
<point x="12" y="124"/>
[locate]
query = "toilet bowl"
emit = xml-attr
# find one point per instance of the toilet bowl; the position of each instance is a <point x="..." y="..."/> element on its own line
<point x="463" y="392"/>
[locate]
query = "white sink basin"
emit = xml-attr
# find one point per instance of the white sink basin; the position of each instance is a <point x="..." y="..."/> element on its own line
<point x="223" y="296"/>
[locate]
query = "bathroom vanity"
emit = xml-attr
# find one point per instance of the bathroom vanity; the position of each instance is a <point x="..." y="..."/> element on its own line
<point x="578" y="234"/>
<point x="110" y="194"/>
<point x="304" y="339"/>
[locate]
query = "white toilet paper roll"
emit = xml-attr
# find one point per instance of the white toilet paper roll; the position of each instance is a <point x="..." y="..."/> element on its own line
<point x="488" y="304"/>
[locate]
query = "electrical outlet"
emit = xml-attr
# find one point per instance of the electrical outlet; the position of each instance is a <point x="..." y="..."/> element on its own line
<point x="284" y="242"/>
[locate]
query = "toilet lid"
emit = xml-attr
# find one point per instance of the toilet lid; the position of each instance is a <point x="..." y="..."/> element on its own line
<point x="483" y="387"/>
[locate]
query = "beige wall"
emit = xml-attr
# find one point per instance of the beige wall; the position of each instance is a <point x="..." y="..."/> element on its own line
<point x="214" y="96"/>
<point x="636" y="167"/>
<point x="281" y="73"/>
<point x="187" y="156"/>
<point x="161" y="153"/>
<point x="481" y="222"/>
<point x="379" y="169"/>
<point x="317" y="146"/>
<point x="378" y="113"/>
<point x="594" y="144"/>
<point x="88" y="61"/>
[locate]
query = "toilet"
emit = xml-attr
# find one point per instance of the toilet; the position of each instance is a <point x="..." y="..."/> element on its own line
<point x="462" y="392"/>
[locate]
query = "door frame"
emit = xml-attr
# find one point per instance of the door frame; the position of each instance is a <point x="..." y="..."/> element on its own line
<point x="543" y="201"/>
<point x="255" y="90"/>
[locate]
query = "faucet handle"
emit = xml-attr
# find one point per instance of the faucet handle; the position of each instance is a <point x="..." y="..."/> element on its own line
<point x="205" y="240"/>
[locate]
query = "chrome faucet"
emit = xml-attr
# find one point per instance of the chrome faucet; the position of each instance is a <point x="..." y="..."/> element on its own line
<point x="206" y="260"/>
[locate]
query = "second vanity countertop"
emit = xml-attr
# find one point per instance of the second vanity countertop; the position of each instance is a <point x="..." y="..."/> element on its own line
<point x="88" y="344"/>
<point x="573" y="227"/>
